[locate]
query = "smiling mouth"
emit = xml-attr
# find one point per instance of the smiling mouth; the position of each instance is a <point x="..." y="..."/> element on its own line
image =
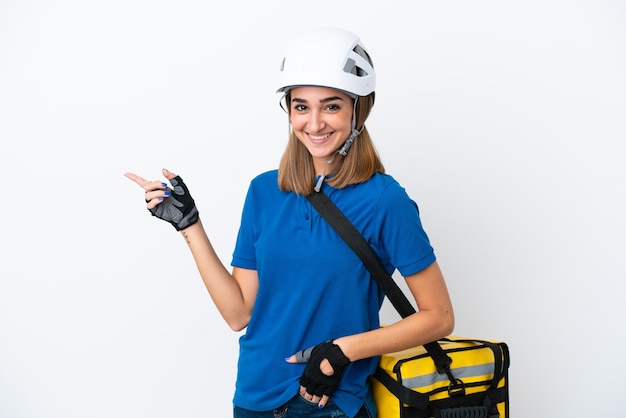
<point x="319" y="137"/>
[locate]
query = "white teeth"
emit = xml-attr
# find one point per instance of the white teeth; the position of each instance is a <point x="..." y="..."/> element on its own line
<point x="319" y="138"/>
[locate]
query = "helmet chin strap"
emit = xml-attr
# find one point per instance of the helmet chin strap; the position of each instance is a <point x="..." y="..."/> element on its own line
<point x="353" y="133"/>
<point x="346" y="145"/>
<point x="318" y="185"/>
<point x="343" y="151"/>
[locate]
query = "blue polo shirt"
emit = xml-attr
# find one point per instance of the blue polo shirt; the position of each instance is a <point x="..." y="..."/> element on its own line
<point x="312" y="286"/>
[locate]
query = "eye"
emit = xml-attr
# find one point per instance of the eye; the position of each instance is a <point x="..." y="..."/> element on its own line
<point x="333" y="107"/>
<point x="299" y="107"/>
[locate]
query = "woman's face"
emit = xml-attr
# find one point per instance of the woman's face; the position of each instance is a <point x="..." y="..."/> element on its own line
<point x="321" y="118"/>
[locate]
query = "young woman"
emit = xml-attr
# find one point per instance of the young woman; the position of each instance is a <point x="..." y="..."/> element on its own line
<point x="309" y="307"/>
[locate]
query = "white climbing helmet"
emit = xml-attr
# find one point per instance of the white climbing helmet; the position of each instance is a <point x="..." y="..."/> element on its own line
<point x="328" y="57"/>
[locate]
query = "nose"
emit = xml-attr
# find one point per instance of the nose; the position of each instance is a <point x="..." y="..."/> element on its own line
<point x="316" y="122"/>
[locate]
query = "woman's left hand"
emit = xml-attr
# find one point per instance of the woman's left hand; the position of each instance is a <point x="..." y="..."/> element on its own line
<point x="322" y="374"/>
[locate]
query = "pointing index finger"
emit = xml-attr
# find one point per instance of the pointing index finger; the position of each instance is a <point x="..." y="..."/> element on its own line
<point x="137" y="179"/>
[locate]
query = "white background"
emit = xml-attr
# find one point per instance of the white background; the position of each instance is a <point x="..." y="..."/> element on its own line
<point x="504" y="120"/>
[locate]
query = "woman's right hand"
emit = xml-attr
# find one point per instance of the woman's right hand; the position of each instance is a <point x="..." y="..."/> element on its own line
<point x="172" y="204"/>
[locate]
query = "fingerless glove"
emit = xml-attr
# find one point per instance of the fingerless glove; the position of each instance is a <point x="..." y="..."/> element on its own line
<point x="179" y="208"/>
<point x="313" y="379"/>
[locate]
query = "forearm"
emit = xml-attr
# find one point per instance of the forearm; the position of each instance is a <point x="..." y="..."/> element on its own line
<point x="434" y="319"/>
<point x="417" y="329"/>
<point x="223" y="288"/>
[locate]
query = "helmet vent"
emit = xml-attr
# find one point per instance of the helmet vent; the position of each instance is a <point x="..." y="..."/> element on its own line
<point x="362" y="52"/>
<point x="354" y="69"/>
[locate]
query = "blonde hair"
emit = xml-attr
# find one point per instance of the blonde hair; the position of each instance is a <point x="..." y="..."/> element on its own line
<point x="296" y="172"/>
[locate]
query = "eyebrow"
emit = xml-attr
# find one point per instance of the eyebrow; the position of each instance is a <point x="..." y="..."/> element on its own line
<point x="328" y="99"/>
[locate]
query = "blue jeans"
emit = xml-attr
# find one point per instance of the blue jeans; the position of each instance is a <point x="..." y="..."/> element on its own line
<point x="298" y="407"/>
